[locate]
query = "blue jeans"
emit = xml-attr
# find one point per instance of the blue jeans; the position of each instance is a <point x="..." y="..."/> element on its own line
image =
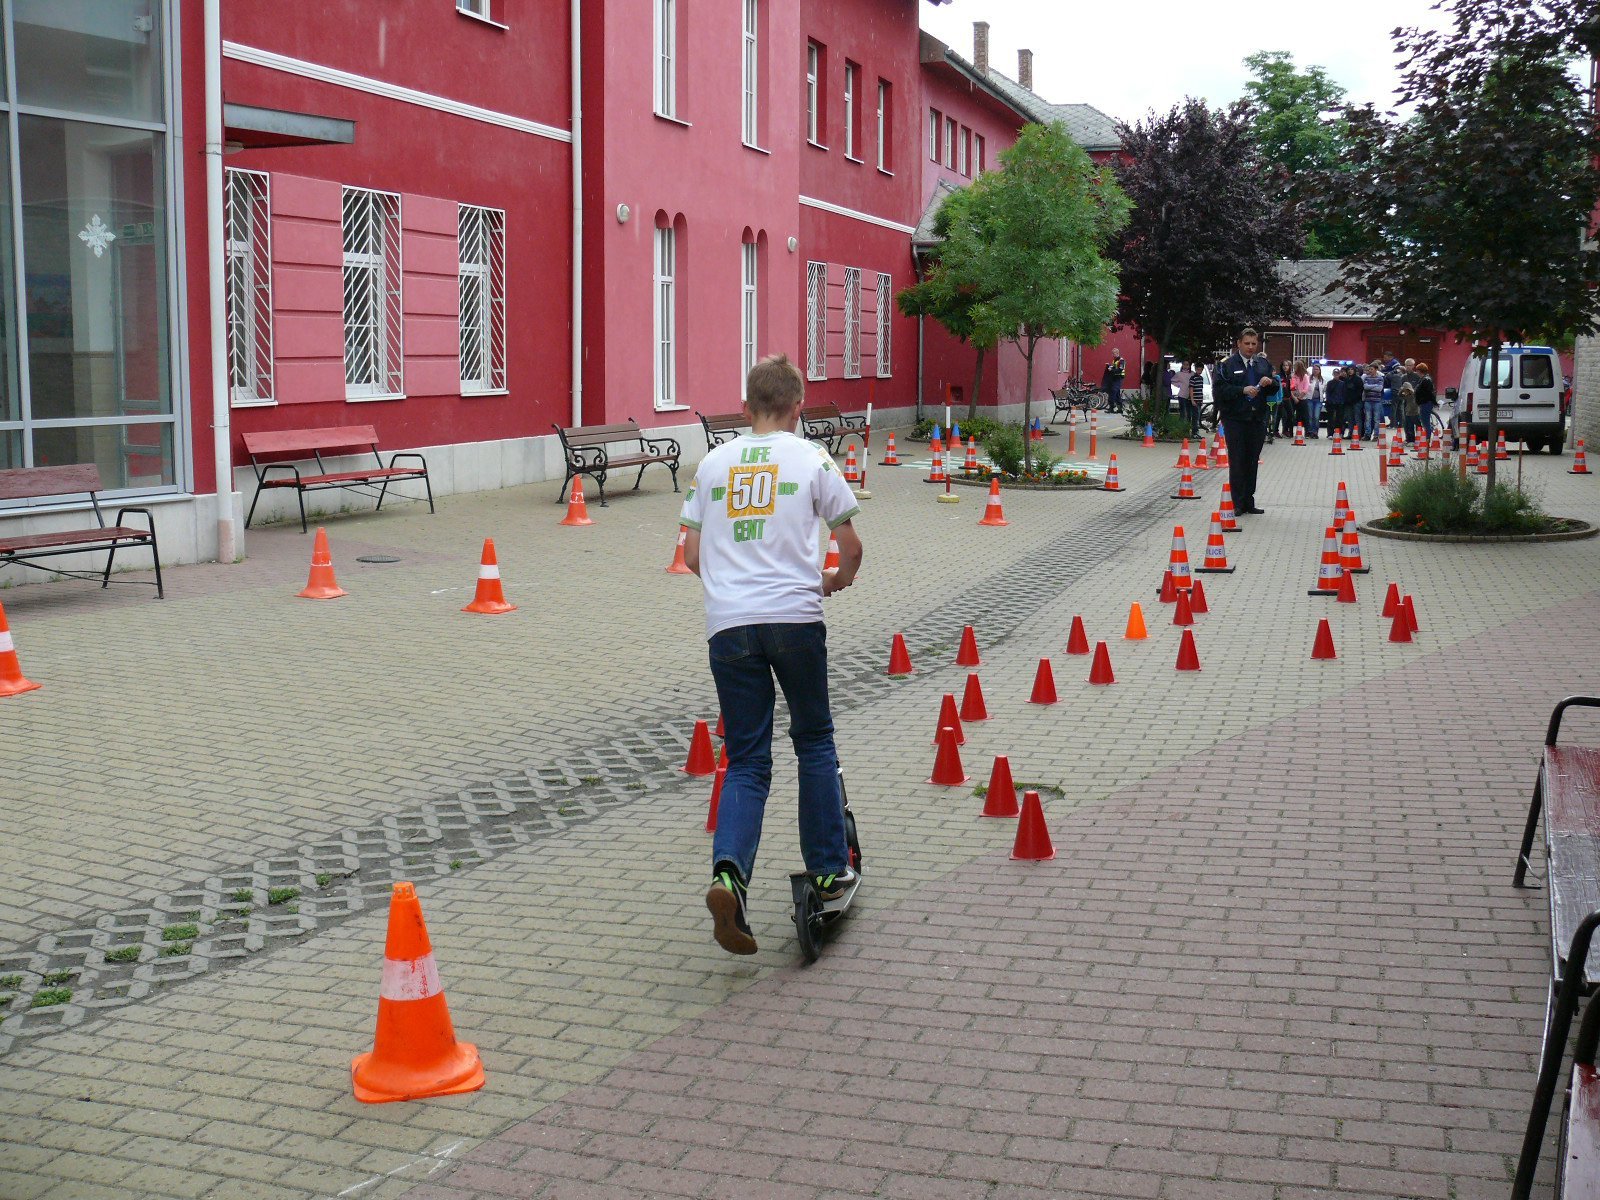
<point x="743" y="663"/>
<point x="1373" y="419"/>
<point x="1314" y="426"/>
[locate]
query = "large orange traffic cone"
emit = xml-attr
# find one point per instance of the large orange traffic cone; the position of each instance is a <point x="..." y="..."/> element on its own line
<point x="852" y="471"/>
<point x="967" y="653"/>
<point x="972" y="705"/>
<point x="1322" y="648"/>
<point x="1185" y="487"/>
<point x="899" y="657"/>
<point x="1350" y="546"/>
<point x="1299" y="434"/>
<point x="1341" y="505"/>
<point x="948" y="719"/>
<point x="414" y="1052"/>
<point x="970" y="466"/>
<point x="947" y="770"/>
<point x="1484" y="451"/>
<point x="12" y="681"/>
<point x="1397" y="451"/>
<point x="994" y="512"/>
<point x="1202" y="461"/>
<point x="1044" y="684"/>
<point x="1033" y="838"/>
<point x="321" y="585"/>
<point x="1100" y="669"/>
<point x="1580" y="461"/>
<point x="577" y="510"/>
<point x="1188" y="656"/>
<point x="1501" y="454"/>
<point x="1113" y="483"/>
<point x="1001" y="798"/>
<point x="1178" y="562"/>
<point x="890" y="458"/>
<point x="1328" y="571"/>
<point x="702" y="758"/>
<point x="1338" y="443"/>
<point x="1197" y="598"/>
<point x="1222" y="452"/>
<point x="1136" y="631"/>
<point x="1183" y="463"/>
<point x="1472" y="454"/>
<point x="1077" y="639"/>
<point x="491" y="597"/>
<point x="716" y="799"/>
<point x="1216" y="560"/>
<point x="679" y="566"/>
<point x="1226" y="510"/>
<point x="1355" y="438"/>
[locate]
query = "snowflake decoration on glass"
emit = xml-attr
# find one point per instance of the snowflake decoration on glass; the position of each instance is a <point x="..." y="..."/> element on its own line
<point x="96" y="235"/>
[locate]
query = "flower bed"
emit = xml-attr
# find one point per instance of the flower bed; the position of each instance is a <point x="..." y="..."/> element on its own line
<point x="1037" y="482"/>
<point x="1557" y="529"/>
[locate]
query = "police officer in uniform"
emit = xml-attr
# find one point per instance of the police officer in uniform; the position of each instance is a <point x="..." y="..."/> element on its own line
<point x="1243" y="384"/>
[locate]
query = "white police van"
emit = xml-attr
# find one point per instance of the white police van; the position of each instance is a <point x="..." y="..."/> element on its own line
<point x="1530" y="396"/>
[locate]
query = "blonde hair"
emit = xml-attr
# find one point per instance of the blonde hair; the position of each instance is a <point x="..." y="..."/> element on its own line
<point x="774" y="386"/>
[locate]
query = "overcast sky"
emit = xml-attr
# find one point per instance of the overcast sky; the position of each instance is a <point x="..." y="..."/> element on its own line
<point x="1130" y="57"/>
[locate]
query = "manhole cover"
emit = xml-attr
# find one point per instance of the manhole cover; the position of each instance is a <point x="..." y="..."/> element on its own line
<point x="376" y="558"/>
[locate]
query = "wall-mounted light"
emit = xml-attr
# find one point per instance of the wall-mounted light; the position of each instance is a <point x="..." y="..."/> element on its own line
<point x="623" y="213"/>
<point x="794" y="244"/>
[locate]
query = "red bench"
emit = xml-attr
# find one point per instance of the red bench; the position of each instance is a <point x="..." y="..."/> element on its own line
<point x="267" y="449"/>
<point x="36" y="483"/>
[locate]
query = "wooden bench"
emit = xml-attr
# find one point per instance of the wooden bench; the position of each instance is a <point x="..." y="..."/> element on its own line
<point x="593" y="450"/>
<point x="1568" y="793"/>
<point x="826" y="424"/>
<point x="265" y="449"/>
<point x="723" y="427"/>
<point x="36" y="483"/>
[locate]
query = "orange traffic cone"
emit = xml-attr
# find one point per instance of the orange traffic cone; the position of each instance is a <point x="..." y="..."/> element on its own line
<point x="321" y="585"/>
<point x="936" y="473"/>
<point x="1044" y="684"/>
<point x="852" y="469"/>
<point x="967" y="653"/>
<point x="1438" y="444"/>
<point x="1410" y="611"/>
<point x="1328" y="572"/>
<point x="577" y="510"/>
<point x="1322" y="648"/>
<point x="1341" y="506"/>
<point x="1350" y="546"/>
<point x="491" y="597"/>
<point x="890" y="458"/>
<point x="970" y="467"/>
<point x="1179" y="563"/>
<point x="1226" y="510"/>
<point x="414" y="1052"/>
<point x="1299" y="434"/>
<point x="1216" y="560"/>
<point x="830" y="561"/>
<point x="702" y="758"/>
<point x="1580" y="461"/>
<point x="1136" y="631"/>
<point x="1197" y="598"/>
<point x="1183" y="611"/>
<point x="994" y="512"/>
<point x="679" y="566"/>
<point x="1347" y="587"/>
<point x="1033" y="838"/>
<point x="1183" y="463"/>
<point x="1355" y="438"/>
<point x="947" y="771"/>
<point x="948" y="719"/>
<point x="1100" y="669"/>
<point x="1419" y="448"/>
<point x="1400" y="629"/>
<point x="899" y="657"/>
<point x="12" y="681"/>
<point x="1501" y="454"/>
<point x="1338" y="443"/>
<point x="972" y="705"/>
<point x="716" y="799"/>
<point x="1113" y="484"/>
<point x="1222" y="452"/>
<point x="1185" y="487"/>
<point x="1201" y="461"/>
<point x="1077" y="640"/>
<point x="1001" y="798"/>
<point x="1484" y="451"/>
<point x="1397" y="453"/>
<point x="1391" y="600"/>
<point x="1472" y="454"/>
<point x="1188" y="656"/>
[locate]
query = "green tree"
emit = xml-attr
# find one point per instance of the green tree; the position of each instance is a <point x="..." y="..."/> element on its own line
<point x="1479" y="201"/>
<point x="1029" y="244"/>
<point x="1298" y="121"/>
<point x="948" y="298"/>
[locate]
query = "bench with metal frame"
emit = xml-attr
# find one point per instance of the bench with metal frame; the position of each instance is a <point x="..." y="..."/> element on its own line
<point x="1568" y="793"/>
<point x="1075" y="395"/>
<point x="588" y="450"/>
<point x="37" y="483"/>
<point x="302" y="444"/>
<point x="722" y="427"/>
<point x="826" y="424"/>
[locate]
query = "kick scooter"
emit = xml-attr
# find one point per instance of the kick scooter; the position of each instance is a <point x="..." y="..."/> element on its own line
<point x="813" y="914"/>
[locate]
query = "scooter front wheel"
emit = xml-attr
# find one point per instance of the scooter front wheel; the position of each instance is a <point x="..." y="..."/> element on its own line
<point x="808" y="921"/>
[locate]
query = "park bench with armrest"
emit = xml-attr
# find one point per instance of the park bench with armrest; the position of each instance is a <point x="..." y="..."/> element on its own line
<point x="722" y="427"/>
<point x="37" y="483"/>
<point x="597" y="450"/>
<point x="826" y="424"/>
<point x="266" y="449"/>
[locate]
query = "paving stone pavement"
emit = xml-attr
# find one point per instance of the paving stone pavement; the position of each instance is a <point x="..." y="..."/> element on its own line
<point x="1277" y="955"/>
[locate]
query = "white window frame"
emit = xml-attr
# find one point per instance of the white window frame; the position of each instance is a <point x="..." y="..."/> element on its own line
<point x="376" y="370"/>
<point x="950" y="143"/>
<point x="247" y="243"/>
<point x="935" y="124"/>
<point x="883" y="145"/>
<point x="666" y="58"/>
<point x="816" y="321"/>
<point x="749" y="310"/>
<point x="978" y="146"/>
<point x="963" y="146"/>
<point x="852" y="322"/>
<point x="885" y="315"/>
<point x="851" y="70"/>
<point x="666" y="317"/>
<point x="481" y="264"/>
<point x="751" y="72"/>
<point x="813" y="70"/>
<point x="476" y="8"/>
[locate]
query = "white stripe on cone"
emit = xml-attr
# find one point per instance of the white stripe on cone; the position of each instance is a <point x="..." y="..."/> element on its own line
<point x="488" y="571"/>
<point x="413" y="979"/>
<point x="6" y="645"/>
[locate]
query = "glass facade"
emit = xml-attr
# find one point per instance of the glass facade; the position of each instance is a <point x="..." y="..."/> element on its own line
<point x="85" y="253"/>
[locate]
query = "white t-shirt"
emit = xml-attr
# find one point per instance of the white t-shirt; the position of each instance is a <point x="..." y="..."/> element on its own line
<point x="756" y="501"/>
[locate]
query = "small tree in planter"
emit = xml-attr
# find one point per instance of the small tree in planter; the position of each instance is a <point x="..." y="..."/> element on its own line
<point x="1028" y="245"/>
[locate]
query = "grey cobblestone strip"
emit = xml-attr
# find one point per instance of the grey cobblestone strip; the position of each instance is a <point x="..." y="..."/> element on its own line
<point x="69" y="976"/>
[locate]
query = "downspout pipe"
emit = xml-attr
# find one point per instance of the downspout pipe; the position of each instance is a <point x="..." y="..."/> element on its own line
<point x="577" y="214"/>
<point x="221" y="411"/>
<point x="916" y="268"/>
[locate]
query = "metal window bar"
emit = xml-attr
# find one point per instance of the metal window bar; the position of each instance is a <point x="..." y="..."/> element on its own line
<point x="852" y="322"/>
<point x="816" y="320"/>
<point x="751" y="132"/>
<point x="373" y="353"/>
<point x="480" y="238"/>
<point x="748" y="310"/>
<point x="248" y="242"/>
<point x="666" y="318"/>
<point x="1309" y="345"/>
<point x="885" y="297"/>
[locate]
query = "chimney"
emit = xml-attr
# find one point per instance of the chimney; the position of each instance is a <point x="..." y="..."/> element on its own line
<point x="1025" y="68"/>
<point x="980" y="46"/>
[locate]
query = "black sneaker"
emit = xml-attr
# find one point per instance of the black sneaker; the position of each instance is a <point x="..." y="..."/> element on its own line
<point x="831" y="887"/>
<point x="725" y="899"/>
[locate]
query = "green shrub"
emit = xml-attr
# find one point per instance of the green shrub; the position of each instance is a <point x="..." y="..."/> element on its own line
<point x="979" y="427"/>
<point x="1005" y="447"/>
<point x="1439" y="500"/>
<point x="1045" y="463"/>
<point x="1507" y="509"/>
